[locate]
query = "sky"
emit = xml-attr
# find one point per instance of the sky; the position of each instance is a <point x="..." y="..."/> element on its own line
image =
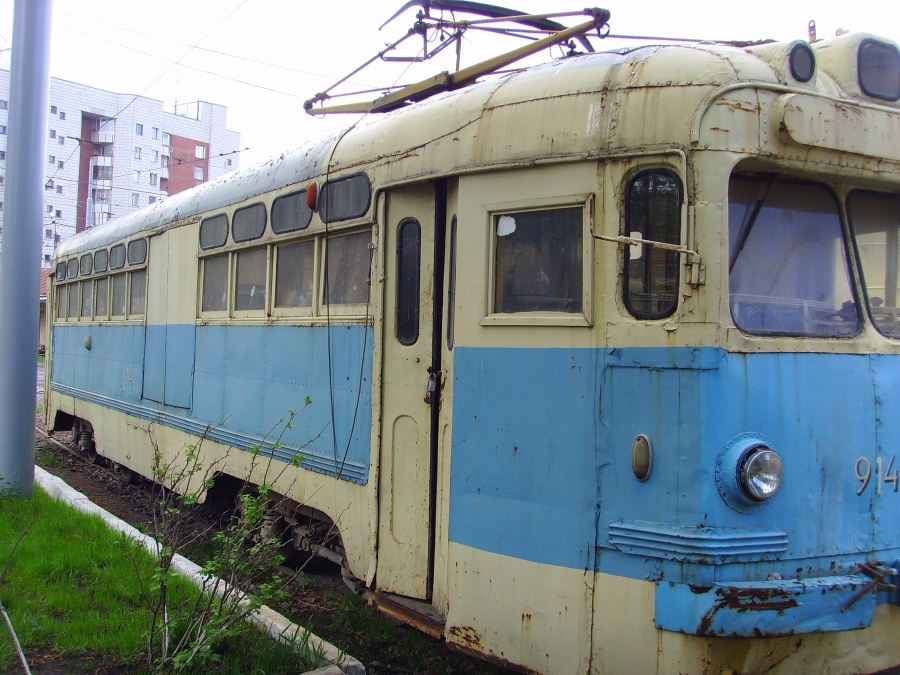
<point x="263" y="58"/>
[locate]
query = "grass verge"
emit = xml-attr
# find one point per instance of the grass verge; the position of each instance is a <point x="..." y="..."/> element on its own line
<point x="71" y="586"/>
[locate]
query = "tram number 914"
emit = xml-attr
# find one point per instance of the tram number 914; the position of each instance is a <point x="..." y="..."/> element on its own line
<point x="882" y="475"/>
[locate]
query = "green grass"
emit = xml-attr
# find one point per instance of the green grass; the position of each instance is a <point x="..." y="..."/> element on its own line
<point x="71" y="584"/>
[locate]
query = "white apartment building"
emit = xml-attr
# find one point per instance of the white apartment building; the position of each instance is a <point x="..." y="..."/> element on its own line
<point x="109" y="154"/>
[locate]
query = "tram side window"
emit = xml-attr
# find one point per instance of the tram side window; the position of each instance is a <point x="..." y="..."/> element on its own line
<point x="788" y="269"/>
<point x="875" y="219"/>
<point x="215" y="284"/>
<point x="347" y="269"/>
<point x="294" y="275"/>
<point x="652" y="212"/>
<point x="138" y="294"/>
<point x="118" y="295"/>
<point x="250" y="282"/>
<point x="61" y="300"/>
<point x="539" y="261"/>
<point x="73" y="302"/>
<point x="102" y="297"/>
<point x="409" y="253"/>
<point x="86" y="298"/>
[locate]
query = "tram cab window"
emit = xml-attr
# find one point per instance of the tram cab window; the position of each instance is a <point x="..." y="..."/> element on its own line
<point x="653" y="212"/>
<point x="875" y="220"/>
<point x="215" y="284"/>
<point x="294" y="275"/>
<point x="250" y="282"/>
<point x="538" y="261"/>
<point x="788" y="269"/>
<point x="347" y="262"/>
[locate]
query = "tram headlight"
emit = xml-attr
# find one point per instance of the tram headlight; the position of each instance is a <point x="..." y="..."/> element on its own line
<point x="749" y="472"/>
<point x="761" y="472"/>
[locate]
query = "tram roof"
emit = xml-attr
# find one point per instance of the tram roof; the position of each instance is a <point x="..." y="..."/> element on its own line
<point x="574" y="106"/>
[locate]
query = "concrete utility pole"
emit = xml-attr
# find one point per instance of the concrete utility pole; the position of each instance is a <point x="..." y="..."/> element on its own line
<point x="26" y="153"/>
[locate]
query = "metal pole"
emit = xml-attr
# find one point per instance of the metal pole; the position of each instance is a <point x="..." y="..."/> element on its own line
<point x="26" y="153"/>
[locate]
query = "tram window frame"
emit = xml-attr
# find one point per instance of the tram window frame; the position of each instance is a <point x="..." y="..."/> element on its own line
<point x="635" y="222"/>
<point x="73" y="308"/>
<point x="62" y="302"/>
<point x="348" y="202"/>
<point x="884" y="308"/>
<point x="117" y="257"/>
<point x="137" y="252"/>
<point x="784" y="227"/>
<point x="354" y="307"/>
<point x="101" y="260"/>
<point x="72" y="267"/>
<point x="243" y="307"/>
<point x="409" y="281"/>
<point x="290" y="213"/>
<point x="249" y="223"/>
<point x="289" y="299"/>
<point x="104" y="314"/>
<point x="115" y="287"/>
<point x="138" y="314"/>
<point x="86" y="305"/>
<point x="578" y="316"/>
<point x="86" y="265"/>
<point x="214" y="311"/>
<point x="213" y="232"/>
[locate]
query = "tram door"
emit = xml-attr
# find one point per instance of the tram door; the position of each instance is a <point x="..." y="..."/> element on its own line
<point x="410" y="390"/>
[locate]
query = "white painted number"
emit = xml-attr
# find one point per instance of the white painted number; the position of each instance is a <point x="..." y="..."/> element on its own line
<point x="863" y="470"/>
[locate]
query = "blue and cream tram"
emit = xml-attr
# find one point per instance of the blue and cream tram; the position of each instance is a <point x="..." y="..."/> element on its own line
<point x="603" y="354"/>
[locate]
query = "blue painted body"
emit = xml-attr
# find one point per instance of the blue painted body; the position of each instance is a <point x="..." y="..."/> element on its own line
<point x="236" y="384"/>
<point x="542" y="466"/>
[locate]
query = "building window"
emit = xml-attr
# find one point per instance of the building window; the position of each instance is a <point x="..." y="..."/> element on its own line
<point x="137" y="153"/>
<point x="2" y="180"/>
<point x="49" y="208"/>
<point x="57" y="213"/>
<point x="134" y="198"/>
<point x="165" y="160"/>
<point x="151" y="199"/>
<point x="138" y="129"/>
<point x="135" y="176"/>
<point x="198" y="172"/>
<point x="153" y="179"/>
<point x="53" y="109"/>
<point x="156" y="155"/>
<point x="61" y="140"/>
<point x="59" y="189"/>
<point x="53" y="133"/>
<point x="227" y="162"/>
<point x="166" y="138"/>
<point x="200" y="152"/>
<point x="51" y="159"/>
<point x="2" y="154"/>
<point x="62" y="115"/>
<point x="60" y="164"/>
<point x="48" y="233"/>
<point x="154" y="132"/>
<point x="4" y="104"/>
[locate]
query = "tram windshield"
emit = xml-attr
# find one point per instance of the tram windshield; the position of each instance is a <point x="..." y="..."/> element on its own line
<point x="875" y="220"/>
<point x="788" y="270"/>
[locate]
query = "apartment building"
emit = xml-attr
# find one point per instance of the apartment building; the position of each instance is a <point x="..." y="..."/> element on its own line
<point x="109" y="154"/>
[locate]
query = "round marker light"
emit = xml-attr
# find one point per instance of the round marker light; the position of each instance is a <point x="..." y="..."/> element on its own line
<point x="803" y="62"/>
<point x="761" y="472"/>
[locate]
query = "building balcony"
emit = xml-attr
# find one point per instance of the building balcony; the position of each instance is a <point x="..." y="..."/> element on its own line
<point x="100" y="184"/>
<point x="164" y="173"/>
<point x="102" y="137"/>
<point x="101" y="160"/>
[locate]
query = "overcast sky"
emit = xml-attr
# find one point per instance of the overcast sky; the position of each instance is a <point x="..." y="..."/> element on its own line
<point x="263" y="58"/>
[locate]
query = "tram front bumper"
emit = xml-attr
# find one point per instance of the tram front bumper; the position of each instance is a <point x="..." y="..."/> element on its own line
<point x="772" y="608"/>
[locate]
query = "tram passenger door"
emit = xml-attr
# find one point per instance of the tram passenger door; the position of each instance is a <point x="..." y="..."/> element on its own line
<point x="410" y="390"/>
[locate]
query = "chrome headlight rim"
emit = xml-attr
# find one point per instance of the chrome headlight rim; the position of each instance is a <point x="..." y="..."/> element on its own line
<point x="731" y="463"/>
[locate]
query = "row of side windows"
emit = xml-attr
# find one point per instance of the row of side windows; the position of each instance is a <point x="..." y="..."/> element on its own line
<point x="106" y="291"/>
<point x="322" y="275"/>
